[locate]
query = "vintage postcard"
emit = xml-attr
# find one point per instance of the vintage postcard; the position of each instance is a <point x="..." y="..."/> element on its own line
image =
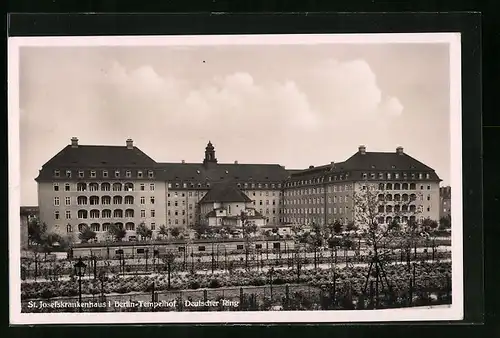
<point x="235" y="179"/>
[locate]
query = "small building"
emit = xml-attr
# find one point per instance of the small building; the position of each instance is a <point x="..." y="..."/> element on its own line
<point x="227" y="206"/>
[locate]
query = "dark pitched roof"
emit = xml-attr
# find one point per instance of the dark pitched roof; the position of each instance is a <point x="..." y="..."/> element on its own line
<point x="100" y="156"/>
<point x="225" y="193"/>
<point x="87" y="157"/>
<point x="384" y="161"/>
<point x="370" y="162"/>
<point x="222" y="172"/>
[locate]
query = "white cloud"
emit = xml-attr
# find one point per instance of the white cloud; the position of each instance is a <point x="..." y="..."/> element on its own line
<point x="106" y="102"/>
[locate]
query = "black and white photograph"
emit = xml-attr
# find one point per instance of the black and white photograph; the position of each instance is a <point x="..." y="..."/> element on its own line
<point x="228" y="179"/>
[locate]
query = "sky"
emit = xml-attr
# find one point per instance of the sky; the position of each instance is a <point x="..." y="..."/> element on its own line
<point x="294" y="105"/>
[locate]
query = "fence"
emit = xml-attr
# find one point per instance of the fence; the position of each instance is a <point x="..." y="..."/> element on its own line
<point x="342" y="295"/>
<point x="54" y="270"/>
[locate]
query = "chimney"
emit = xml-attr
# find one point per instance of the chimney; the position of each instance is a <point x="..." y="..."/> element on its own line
<point x="235" y="162"/>
<point x="399" y="150"/>
<point x="311" y="167"/>
<point x="183" y="161"/>
<point x="362" y="149"/>
<point x="130" y="144"/>
<point x="74" y="142"/>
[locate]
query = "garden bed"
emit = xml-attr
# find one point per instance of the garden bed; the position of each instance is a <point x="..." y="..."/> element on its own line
<point x="427" y="275"/>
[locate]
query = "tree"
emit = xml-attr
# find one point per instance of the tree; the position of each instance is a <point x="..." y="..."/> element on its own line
<point x="144" y="232"/>
<point x="49" y="242"/>
<point x="175" y="232"/>
<point x="163" y="232"/>
<point x="116" y="232"/>
<point x="86" y="234"/>
<point x="445" y="223"/>
<point x="36" y="230"/>
<point x="201" y="229"/>
<point x="370" y="207"/>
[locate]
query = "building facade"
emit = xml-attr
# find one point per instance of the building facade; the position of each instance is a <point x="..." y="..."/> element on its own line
<point x="445" y="202"/>
<point x="99" y="185"/>
<point x="405" y="189"/>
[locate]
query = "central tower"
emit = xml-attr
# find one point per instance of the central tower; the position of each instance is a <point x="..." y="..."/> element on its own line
<point x="209" y="154"/>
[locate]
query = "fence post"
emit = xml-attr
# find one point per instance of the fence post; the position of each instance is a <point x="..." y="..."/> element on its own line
<point x="205" y="299"/>
<point x="448" y="287"/>
<point x="241" y="298"/>
<point x="410" y="293"/>
<point x="371" y="295"/>
<point x="287" y="296"/>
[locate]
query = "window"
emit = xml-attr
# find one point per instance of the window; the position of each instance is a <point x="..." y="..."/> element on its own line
<point x="56" y="201"/>
<point x="69" y="228"/>
<point x="143" y="213"/>
<point x="150" y="174"/>
<point x="57" y="173"/>
<point x="181" y="248"/>
<point x="427" y="176"/>
<point x="68" y="173"/>
<point x="117" y="173"/>
<point x="139" y="174"/>
<point x="170" y="185"/>
<point x="143" y="200"/>
<point x="56" y="215"/>
<point x="258" y="246"/>
<point x="201" y="248"/>
<point x="388" y="176"/>
<point x="429" y="198"/>
<point x="152" y="200"/>
<point x="56" y="186"/>
<point x="152" y="213"/>
<point x="428" y="187"/>
<point x="141" y="187"/>
<point x="152" y="187"/>
<point x="67" y="187"/>
<point x="67" y="200"/>
<point x="104" y="173"/>
<point x="276" y="245"/>
<point x="153" y="226"/>
<point x="81" y="174"/>
<point x="239" y="247"/>
<point x="68" y="214"/>
<point x="92" y="173"/>
<point x="128" y="173"/>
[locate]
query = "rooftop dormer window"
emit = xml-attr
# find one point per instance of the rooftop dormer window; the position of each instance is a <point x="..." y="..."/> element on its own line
<point x="150" y="174"/>
<point x="68" y="173"/>
<point x="427" y="176"/>
<point x="128" y="174"/>
<point x="81" y="174"/>
<point x="117" y="173"/>
<point x="92" y="174"/>
<point x="139" y="174"/>
<point x="57" y="173"/>
<point x="104" y="173"/>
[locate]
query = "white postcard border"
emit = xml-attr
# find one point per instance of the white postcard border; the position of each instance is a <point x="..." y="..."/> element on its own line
<point x="453" y="312"/>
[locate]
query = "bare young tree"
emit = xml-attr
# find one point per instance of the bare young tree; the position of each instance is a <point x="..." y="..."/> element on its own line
<point x="384" y="220"/>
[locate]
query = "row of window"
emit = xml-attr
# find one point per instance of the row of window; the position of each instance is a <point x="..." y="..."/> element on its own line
<point x="307" y="211"/>
<point x="176" y="194"/>
<point x="318" y="200"/>
<point x="106" y="213"/>
<point x="104" y="200"/>
<point x="338" y="177"/>
<point x="390" y="176"/>
<point x="321" y="190"/>
<point x="105" y="173"/>
<point x="186" y="185"/>
<point x="96" y="227"/>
